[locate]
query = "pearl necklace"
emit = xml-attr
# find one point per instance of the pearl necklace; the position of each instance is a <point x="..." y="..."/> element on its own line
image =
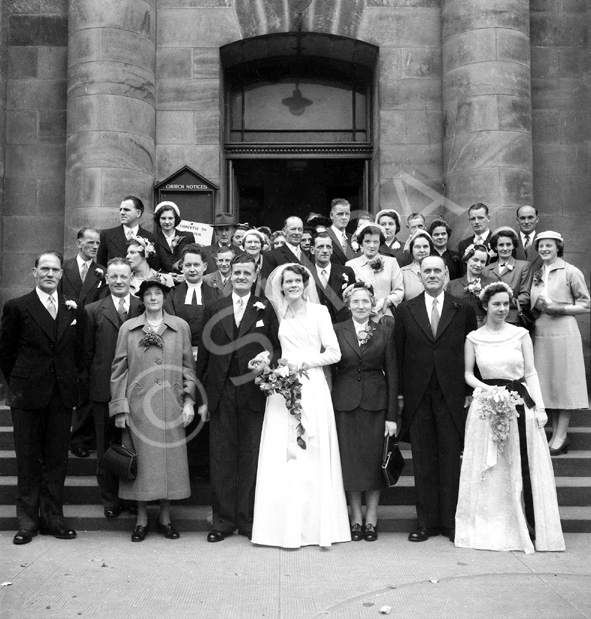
<point x="498" y="332"/>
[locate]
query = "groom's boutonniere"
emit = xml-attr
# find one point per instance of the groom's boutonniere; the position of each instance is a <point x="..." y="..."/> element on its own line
<point x="259" y="305"/>
<point x="71" y="305"/>
<point x="345" y="281"/>
<point x="100" y="274"/>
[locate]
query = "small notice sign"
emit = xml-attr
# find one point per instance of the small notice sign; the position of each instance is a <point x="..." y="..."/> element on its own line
<point x="203" y="232"/>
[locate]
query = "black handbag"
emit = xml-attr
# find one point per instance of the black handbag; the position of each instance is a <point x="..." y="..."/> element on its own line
<point x="393" y="462"/>
<point x="526" y="318"/>
<point x="120" y="460"/>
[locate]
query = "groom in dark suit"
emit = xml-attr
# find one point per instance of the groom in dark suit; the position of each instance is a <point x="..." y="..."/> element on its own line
<point x="430" y="331"/>
<point x="38" y="338"/>
<point x="238" y="328"/>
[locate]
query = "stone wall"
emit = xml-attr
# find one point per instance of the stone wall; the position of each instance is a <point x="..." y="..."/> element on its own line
<point x="35" y="133"/>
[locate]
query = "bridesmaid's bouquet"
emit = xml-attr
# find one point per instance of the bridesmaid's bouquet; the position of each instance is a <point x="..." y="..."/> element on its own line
<point x="498" y="405"/>
<point x="285" y="380"/>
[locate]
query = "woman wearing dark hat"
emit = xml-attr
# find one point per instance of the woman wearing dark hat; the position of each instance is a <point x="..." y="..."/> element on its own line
<point x="560" y="294"/>
<point x="153" y="391"/>
<point x="171" y="242"/>
<point x="365" y="400"/>
<point x="515" y="273"/>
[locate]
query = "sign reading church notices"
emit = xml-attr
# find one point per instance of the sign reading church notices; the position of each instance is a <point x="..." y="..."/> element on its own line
<point x="203" y="232"/>
<point x="195" y="196"/>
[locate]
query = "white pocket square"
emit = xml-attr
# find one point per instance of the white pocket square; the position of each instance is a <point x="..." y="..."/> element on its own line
<point x="260" y="323"/>
<point x="73" y="322"/>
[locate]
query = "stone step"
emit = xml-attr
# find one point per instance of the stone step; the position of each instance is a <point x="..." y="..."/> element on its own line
<point x="579" y="418"/>
<point x="400" y="518"/>
<point x="575" y="463"/>
<point x="82" y="490"/>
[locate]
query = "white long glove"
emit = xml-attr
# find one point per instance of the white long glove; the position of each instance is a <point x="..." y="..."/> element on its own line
<point x="533" y="386"/>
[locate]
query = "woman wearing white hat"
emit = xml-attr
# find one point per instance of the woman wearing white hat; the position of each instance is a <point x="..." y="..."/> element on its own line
<point x="171" y="242"/>
<point x="559" y="293"/>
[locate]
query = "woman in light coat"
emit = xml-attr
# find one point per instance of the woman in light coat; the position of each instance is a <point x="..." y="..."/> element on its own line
<point x="153" y="390"/>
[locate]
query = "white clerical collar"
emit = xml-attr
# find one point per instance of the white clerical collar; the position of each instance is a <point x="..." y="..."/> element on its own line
<point x="429" y="302"/>
<point x="43" y="297"/>
<point x="245" y="298"/>
<point x="81" y="261"/>
<point x="134" y="231"/>
<point x="126" y="301"/>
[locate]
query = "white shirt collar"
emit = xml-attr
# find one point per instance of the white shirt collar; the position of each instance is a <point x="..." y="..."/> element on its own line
<point x="338" y="233"/>
<point x="134" y="230"/>
<point x="81" y="261"/>
<point x="532" y="236"/>
<point x="235" y="298"/>
<point x="294" y="248"/>
<point x="126" y="301"/>
<point x="43" y="297"/>
<point x="360" y="326"/>
<point x="484" y="235"/>
<point x="429" y="302"/>
<point x="319" y="269"/>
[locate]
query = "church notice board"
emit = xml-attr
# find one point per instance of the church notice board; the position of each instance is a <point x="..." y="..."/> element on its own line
<point x="195" y="196"/>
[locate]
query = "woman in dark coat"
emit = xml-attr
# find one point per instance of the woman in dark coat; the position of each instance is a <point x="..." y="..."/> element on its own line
<point x="365" y="400"/>
<point x="171" y="242"/>
<point x="153" y="391"/>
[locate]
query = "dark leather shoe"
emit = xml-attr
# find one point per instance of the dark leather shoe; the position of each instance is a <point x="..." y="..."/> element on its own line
<point x="112" y="512"/>
<point x="422" y="534"/>
<point x="449" y="532"/>
<point x="59" y="532"/>
<point x="356" y="532"/>
<point x="23" y="536"/>
<point x="139" y="533"/>
<point x="80" y="452"/>
<point x="216" y="536"/>
<point x="167" y="530"/>
<point x="370" y="533"/>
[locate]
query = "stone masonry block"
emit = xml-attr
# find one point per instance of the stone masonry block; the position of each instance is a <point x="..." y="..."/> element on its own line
<point x="51" y="196"/>
<point x="194" y="4"/>
<point x="462" y="16"/>
<point x="403" y="27"/>
<point x="21" y="126"/>
<point x="468" y="48"/>
<point x="421" y="62"/>
<point x="196" y="28"/>
<point x="465" y="187"/>
<point x="173" y="62"/>
<point x="545" y="125"/>
<point x="514" y="114"/>
<point x="545" y="62"/>
<point x="203" y="159"/>
<point x="118" y="182"/>
<point x="207" y="127"/>
<point x="516" y="186"/>
<point x="513" y="46"/>
<point x="558" y="29"/>
<point x="559" y="94"/>
<point x="22" y="62"/>
<point x="206" y="63"/>
<point x="392" y="127"/>
<point x="488" y="78"/>
<point x="415" y="94"/>
<point x="52" y="126"/>
<point x="29" y="234"/>
<point x="84" y="186"/>
<point x="36" y="94"/>
<point x="112" y="78"/>
<point x="35" y="161"/>
<point x="53" y="63"/>
<point x="175" y="128"/>
<point x="424" y="127"/>
<point x="19" y="196"/>
<point x="188" y="94"/>
<point x="134" y="16"/>
<point x="38" y="30"/>
<point x="473" y="114"/>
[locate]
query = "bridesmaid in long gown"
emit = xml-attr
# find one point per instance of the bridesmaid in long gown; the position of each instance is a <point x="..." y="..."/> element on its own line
<point x="507" y="496"/>
<point x="299" y="499"/>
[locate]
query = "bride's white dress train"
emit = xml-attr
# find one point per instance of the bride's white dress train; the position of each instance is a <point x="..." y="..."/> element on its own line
<point x="299" y="498"/>
<point x="490" y="513"/>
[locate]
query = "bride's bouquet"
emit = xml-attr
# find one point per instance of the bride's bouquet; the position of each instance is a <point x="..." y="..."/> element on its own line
<point x="498" y="405"/>
<point x="285" y="380"/>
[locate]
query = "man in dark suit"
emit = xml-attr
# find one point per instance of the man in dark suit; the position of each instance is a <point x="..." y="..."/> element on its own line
<point x="114" y="240"/>
<point x="527" y="220"/>
<point x="102" y="320"/>
<point x="188" y="301"/>
<point x="224" y="227"/>
<point x="220" y="278"/>
<point x="430" y="331"/>
<point x="291" y="251"/>
<point x="238" y="328"/>
<point x="83" y="280"/>
<point x="331" y="278"/>
<point x="340" y="214"/>
<point x="38" y="345"/>
<point x="479" y="217"/>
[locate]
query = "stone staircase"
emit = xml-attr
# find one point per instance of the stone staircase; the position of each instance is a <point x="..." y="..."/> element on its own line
<point x="397" y="512"/>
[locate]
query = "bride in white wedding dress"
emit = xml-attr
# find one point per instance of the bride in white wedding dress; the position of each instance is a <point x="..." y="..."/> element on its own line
<point x="299" y="498"/>
<point x="507" y="495"/>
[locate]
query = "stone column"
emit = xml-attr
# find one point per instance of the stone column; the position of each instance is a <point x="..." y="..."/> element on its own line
<point x="111" y="109"/>
<point x="487" y="106"/>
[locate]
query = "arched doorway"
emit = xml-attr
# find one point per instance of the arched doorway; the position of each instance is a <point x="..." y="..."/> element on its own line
<point x="298" y="124"/>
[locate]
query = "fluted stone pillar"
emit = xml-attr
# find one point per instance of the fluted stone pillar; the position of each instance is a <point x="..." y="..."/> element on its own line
<point x="487" y="105"/>
<point x="111" y="109"/>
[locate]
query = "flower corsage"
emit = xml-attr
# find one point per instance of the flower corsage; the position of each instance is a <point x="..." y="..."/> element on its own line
<point x="474" y="287"/>
<point x="377" y="264"/>
<point x="151" y="339"/>
<point x="538" y="277"/>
